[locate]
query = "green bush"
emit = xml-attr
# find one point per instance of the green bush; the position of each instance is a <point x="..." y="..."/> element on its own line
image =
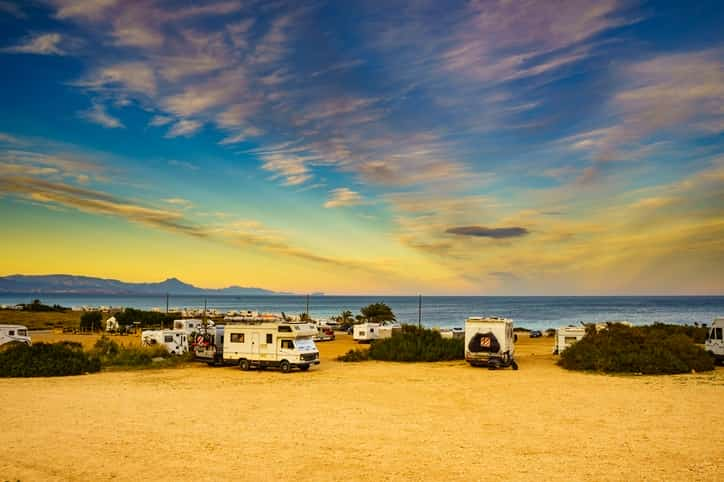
<point x="111" y="354"/>
<point x="47" y="360"/>
<point x="655" y="349"/>
<point x="91" y="321"/>
<point x="413" y="344"/>
<point x="354" y="356"/>
<point x="146" y="318"/>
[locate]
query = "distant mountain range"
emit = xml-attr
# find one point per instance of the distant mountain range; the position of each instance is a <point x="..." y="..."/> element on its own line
<point x="69" y="284"/>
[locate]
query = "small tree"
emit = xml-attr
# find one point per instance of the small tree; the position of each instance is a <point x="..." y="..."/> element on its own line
<point x="345" y="319"/>
<point x="377" y="313"/>
<point x="91" y="321"/>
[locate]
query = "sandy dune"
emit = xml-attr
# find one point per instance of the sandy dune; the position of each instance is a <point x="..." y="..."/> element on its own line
<point x="369" y="421"/>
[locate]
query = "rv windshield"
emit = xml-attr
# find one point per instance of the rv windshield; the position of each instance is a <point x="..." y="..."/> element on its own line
<point x="305" y="344"/>
<point x="22" y="332"/>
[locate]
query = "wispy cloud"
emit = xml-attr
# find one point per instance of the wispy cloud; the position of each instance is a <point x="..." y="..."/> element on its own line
<point x="160" y="120"/>
<point x="184" y="127"/>
<point x="183" y="164"/>
<point x="40" y="44"/>
<point x="342" y="197"/>
<point x="98" y="115"/>
<point x="484" y="232"/>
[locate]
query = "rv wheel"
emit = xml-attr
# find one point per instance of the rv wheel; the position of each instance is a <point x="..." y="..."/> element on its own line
<point x="514" y="365"/>
<point x="285" y="366"/>
<point x="244" y="365"/>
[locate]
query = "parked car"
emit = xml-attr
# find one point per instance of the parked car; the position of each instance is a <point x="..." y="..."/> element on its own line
<point x="535" y="334"/>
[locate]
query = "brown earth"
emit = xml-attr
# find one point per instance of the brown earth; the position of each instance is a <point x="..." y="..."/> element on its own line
<point x="365" y="421"/>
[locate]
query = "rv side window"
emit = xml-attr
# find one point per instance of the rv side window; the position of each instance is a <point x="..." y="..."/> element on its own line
<point x="717" y="334"/>
<point x="11" y="332"/>
<point x="168" y="339"/>
<point x="372" y="330"/>
<point x="287" y="344"/>
<point x="284" y="329"/>
<point x="269" y="338"/>
<point x="237" y="338"/>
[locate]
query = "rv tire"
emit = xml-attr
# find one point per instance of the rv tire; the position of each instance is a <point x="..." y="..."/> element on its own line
<point x="285" y="366"/>
<point x="244" y="364"/>
<point x="514" y="365"/>
<point x="304" y="368"/>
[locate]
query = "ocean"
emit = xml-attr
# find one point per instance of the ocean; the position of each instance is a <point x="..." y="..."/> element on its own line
<point x="534" y="312"/>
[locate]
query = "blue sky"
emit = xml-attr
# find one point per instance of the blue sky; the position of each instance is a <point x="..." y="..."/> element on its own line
<point x="362" y="147"/>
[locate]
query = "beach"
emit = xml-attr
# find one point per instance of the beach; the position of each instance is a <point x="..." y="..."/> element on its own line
<point x="364" y="421"/>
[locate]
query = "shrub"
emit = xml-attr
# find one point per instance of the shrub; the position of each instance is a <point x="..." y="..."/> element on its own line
<point x="91" y="321"/>
<point x="417" y="344"/>
<point x="354" y="356"/>
<point x="111" y="354"/>
<point x="47" y="360"/>
<point x="655" y="349"/>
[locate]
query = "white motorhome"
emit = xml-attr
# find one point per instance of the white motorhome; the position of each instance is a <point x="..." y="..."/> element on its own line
<point x="175" y="341"/>
<point x="490" y="342"/>
<point x="14" y="334"/>
<point x="714" y="343"/>
<point x="191" y="325"/>
<point x="366" y="332"/>
<point x="112" y="324"/>
<point x="264" y="344"/>
<point x="452" y="333"/>
<point x="567" y="336"/>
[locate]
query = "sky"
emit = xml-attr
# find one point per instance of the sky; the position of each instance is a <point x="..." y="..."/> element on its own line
<point x="366" y="147"/>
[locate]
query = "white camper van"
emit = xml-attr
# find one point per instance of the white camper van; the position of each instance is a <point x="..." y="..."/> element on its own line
<point x="14" y="334"/>
<point x="452" y="333"/>
<point x="490" y="342"/>
<point x="175" y="341"/>
<point x="366" y="332"/>
<point x="714" y="343"/>
<point x="191" y="325"/>
<point x="567" y="336"/>
<point x="263" y="344"/>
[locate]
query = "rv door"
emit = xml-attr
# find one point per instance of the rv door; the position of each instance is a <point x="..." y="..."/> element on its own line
<point x="255" y="344"/>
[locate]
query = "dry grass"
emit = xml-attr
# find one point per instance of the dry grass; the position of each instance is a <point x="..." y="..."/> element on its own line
<point x="38" y="320"/>
<point x="368" y="421"/>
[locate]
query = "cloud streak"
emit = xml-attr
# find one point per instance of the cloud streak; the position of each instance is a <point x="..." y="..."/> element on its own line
<point x="483" y="232"/>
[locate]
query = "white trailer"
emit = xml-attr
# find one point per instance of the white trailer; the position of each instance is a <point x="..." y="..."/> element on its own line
<point x="175" y="341"/>
<point x="279" y="344"/>
<point x="14" y="334"/>
<point x="714" y="343"/>
<point x="192" y="325"/>
<point x="567" y="336"/>
<point x="452" y="333"/>
<point x="367" y="332"/>
<point x="490" y="342"/>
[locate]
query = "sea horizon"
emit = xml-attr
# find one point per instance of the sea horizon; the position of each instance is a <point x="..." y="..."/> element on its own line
<point x="533" y="312"/>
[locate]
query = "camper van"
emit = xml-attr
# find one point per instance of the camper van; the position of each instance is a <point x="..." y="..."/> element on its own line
<point x="366" y="332"/>
<point x="14" y="334"/>
<point x="489" y="342"/>
<point x="263" y="344"/>
<point x="452" y="333"/>
<point x="567" y="336"/>
<point x="191" y="325"/>
<point x="175" y="341"/>
<point x="714" y="343"/>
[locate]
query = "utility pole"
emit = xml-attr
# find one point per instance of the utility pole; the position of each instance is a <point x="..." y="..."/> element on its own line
<point x="307" y="306"/>
<point x="419" y="311"/>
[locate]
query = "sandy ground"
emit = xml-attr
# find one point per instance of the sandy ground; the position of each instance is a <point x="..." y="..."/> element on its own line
<point x="368" y="421"/>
